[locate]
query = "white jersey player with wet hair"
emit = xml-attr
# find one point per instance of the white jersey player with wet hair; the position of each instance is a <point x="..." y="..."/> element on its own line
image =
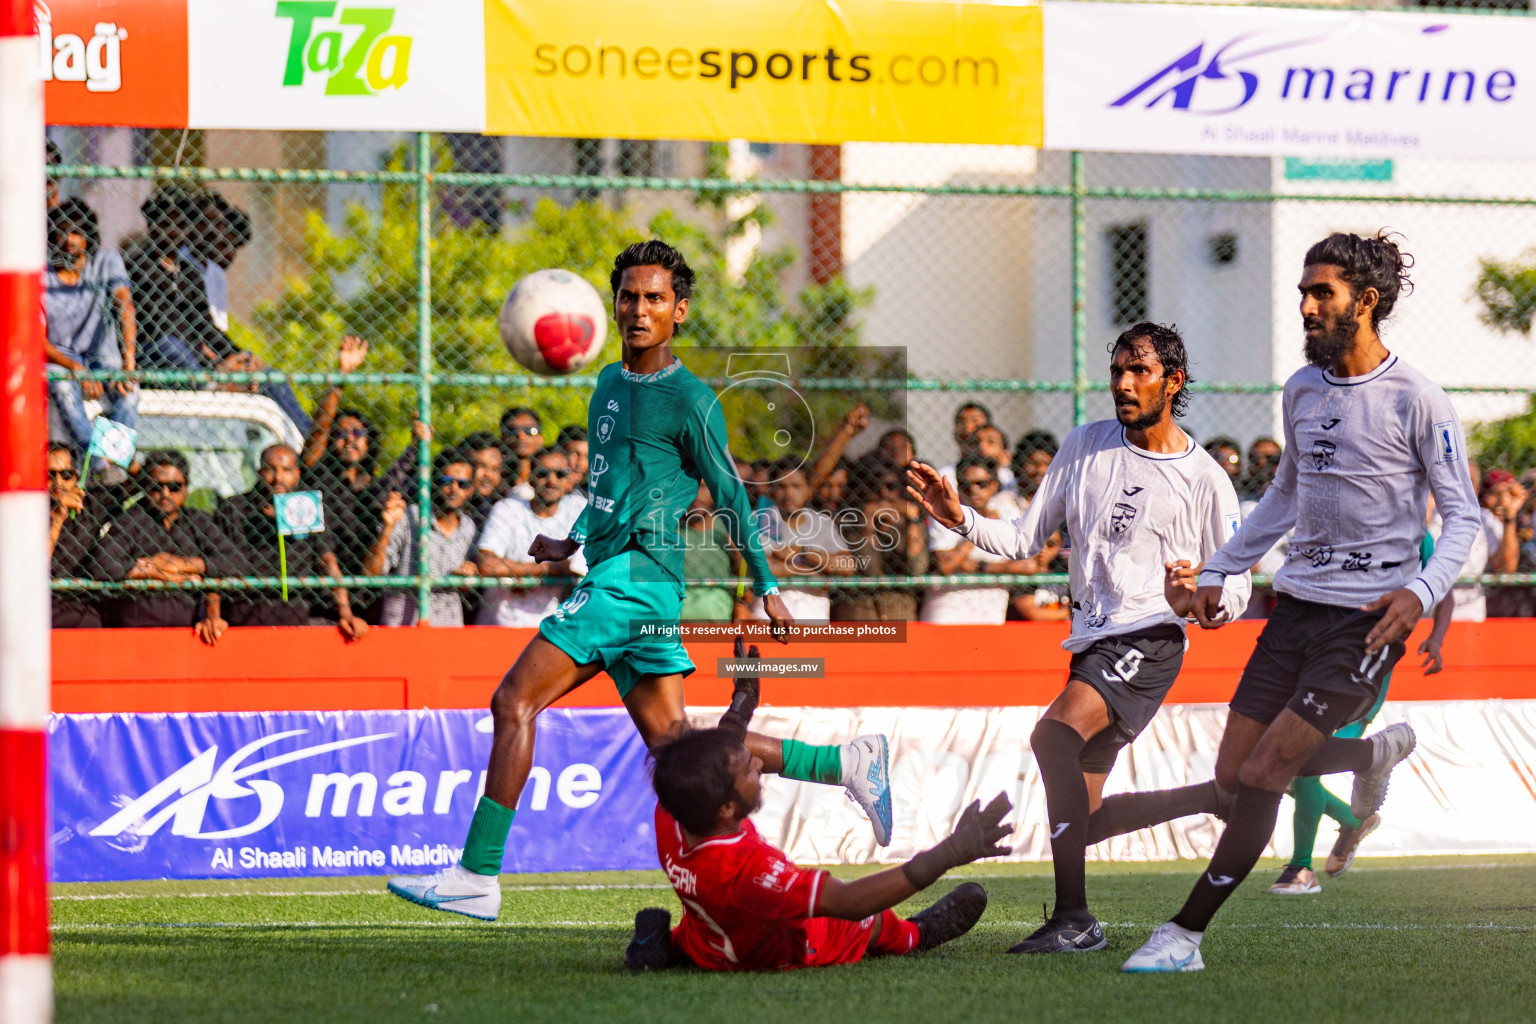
<point x="1367" y="440"/>
<point x="1142" y="503"/>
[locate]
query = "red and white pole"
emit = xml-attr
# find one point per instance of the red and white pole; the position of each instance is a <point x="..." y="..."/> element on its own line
<point x="26" y="971"/>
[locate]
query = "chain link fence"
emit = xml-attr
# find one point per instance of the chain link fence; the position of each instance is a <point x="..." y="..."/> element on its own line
<point x="271" y="312"/>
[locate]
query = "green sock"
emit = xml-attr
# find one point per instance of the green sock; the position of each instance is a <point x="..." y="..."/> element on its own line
<point x="813" y="764"/>
<point x="487" y="839"/>
<point x="1308" y="792"/>
<point x="1338" y="810"/>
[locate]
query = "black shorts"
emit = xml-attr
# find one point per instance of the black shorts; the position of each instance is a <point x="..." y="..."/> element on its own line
<point x="1311" y="658"/>
<point x="1133" y="673"/>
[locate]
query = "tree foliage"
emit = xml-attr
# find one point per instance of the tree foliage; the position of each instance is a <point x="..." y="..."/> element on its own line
<point x="1508" y="294"/>
<point x="362" y="279"/>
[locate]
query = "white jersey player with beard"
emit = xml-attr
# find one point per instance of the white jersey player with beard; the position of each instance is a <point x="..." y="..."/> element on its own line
<point x="1127" y="512"/>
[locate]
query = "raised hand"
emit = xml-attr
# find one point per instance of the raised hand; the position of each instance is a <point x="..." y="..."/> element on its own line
<point x="928" y="487"/>
<point x="393" y="511"/>
<point x="351" y="353"/>
<point x="547" y="549"/>
<point x="856" y="420"/>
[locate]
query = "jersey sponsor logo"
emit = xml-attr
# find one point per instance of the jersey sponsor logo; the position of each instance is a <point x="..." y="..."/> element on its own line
<point x="605" y="429"/>
<point x="1445" y="440"/>
<point x="1311" y="701"/>
<point x="596" y="468"/>
<point x="1122" y="517"/>
<point x="1358" y="561"/>
<point x="602" y="504"/>
<point x="1318" y="556"/>
<point x="613" y="406"/>
<point x="1331" y="423"/>
<point x="1233" y="520"/>
<point x="1059" y="829"/>
<point x="1131" y="492"/>
<point x="775" y="879"/>
<point x="1323" y="453"/>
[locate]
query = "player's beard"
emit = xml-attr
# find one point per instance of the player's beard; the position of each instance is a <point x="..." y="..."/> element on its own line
<point x="1148" y="417"/>
<point x="1323" y="349"/>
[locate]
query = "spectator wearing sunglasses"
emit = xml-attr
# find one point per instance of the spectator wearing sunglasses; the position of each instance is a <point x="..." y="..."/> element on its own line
<point x="73" y="528"/>
<point x="159" y="539"/>
<point x="523" y="433"/>
<point x="503" y="546"/>
<point x="397" y="549"/>
<point x="250" y="522"/>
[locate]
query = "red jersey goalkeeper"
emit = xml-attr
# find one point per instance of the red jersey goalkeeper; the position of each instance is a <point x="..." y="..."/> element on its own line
<point x="747" y="907"/>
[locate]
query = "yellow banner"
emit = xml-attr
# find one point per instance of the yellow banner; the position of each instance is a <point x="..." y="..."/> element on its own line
<point x="815" y="71"/>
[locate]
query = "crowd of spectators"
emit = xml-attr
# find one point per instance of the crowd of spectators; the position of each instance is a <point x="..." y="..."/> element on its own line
<point x="164" y="305"/>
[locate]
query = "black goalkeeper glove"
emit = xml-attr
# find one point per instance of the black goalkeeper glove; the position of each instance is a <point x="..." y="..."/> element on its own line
<point x="977" y="835"/>
<point x="744" y="698"/>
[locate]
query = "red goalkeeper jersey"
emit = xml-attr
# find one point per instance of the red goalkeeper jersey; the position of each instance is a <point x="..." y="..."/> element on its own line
<point x="746" y="907"/>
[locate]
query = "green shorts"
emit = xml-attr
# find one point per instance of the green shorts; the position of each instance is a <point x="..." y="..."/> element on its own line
<point x="624" y="614"/>
<point x="1356" y="729"/>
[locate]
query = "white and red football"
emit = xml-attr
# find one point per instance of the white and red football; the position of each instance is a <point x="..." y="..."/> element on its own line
<point x="553" y="323"/>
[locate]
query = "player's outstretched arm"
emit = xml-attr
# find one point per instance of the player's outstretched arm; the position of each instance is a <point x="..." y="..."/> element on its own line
<point x="977" y="835"/>
<point x="937" y="495"/>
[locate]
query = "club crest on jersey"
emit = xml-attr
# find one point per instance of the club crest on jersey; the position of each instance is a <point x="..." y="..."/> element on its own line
<point x="605" y="429"/>
<point x="1322" y="454"/>
<point x="1122" y="517"/>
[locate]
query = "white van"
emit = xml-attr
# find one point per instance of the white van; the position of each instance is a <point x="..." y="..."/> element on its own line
<point x="222" y="433"/>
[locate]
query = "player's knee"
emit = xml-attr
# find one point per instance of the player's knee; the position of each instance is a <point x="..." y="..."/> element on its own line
<point x="510" y="707"/>
<point x="1228" y="775"/>
<point x="1263" y="772"/>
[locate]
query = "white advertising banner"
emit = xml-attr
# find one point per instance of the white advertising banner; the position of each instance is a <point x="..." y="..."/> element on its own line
<point x="1253" y="82"/>
<point x="1465" y="789"/>
<point x="409" y="65"/>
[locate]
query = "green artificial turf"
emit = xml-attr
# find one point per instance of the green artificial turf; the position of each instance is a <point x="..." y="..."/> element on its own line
<point x="1395" y="940"/>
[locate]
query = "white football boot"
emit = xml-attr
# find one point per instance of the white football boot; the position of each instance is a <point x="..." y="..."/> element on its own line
<point x="454" y="889"/>
<point x="1390" y="746"/>
<point x="867" y="778"/>
<point x="1170" y="950"/>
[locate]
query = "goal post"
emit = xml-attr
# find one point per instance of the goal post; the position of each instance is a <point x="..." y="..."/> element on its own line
<point x="26" y="970"/>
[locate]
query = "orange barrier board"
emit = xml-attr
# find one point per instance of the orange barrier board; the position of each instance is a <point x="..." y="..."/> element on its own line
<point x="304" y="669"/>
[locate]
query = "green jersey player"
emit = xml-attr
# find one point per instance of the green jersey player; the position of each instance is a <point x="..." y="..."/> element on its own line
<point x="655" y="430"/>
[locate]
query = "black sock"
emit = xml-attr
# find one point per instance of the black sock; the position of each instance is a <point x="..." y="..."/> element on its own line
<point x="1338" y="755"/>
<point x="1058" y="748"/>
<point x="1127" y="812"/>
<point x="1253" y="822"/>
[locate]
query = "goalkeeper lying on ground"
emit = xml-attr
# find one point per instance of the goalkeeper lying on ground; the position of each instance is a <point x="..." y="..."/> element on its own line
<point x="746" y="907"/>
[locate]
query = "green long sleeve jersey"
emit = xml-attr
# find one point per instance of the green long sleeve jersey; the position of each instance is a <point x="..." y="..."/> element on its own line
<point x="651" y="438"/>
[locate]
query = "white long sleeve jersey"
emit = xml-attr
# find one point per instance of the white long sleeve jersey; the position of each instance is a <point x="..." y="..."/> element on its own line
<point x="1362" y="454"/>
<point x="1127" y="512"/>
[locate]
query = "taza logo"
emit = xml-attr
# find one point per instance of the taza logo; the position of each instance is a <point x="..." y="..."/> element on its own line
<point x="369" y="62"/>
